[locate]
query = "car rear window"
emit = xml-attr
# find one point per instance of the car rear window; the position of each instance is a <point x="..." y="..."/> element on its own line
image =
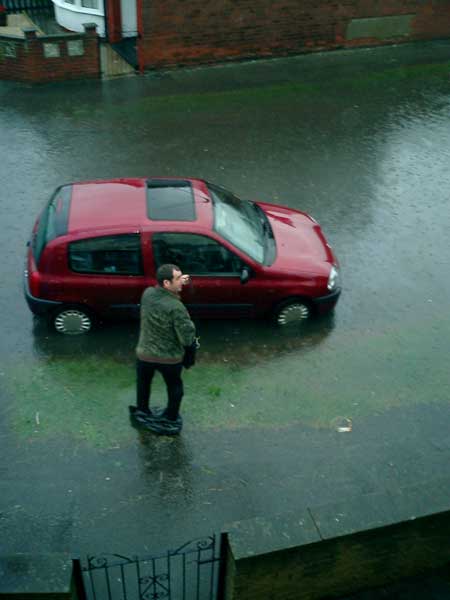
<point x="169" y="200"/>
<point x="53" y="220"/>
<point x="107" y="255"/>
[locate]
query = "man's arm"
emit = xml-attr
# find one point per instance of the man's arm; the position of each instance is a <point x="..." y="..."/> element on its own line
<point x="184" y="327"/>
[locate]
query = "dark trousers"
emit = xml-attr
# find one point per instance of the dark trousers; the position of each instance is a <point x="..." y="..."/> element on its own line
<point x="172" y="378"/>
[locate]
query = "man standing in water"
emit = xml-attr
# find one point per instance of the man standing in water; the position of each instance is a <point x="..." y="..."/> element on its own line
<point x="166" y="331"/>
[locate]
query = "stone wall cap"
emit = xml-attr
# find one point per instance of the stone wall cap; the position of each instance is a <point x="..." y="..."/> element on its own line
<point x="17" y="35"/>
<point x="359" y="515"/>
<point x="382" y="509"/>
<point x="263" y="535"/>
<point x="55" y="37"/>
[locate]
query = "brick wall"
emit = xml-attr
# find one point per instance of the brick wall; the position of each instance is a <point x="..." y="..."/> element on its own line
<point x="177" y="32"/>
<point x="340" y="548"/>
<point x="50" y="58"/>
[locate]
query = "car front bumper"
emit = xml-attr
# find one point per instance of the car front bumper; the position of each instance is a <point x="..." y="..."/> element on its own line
<point x="324" y="304"/>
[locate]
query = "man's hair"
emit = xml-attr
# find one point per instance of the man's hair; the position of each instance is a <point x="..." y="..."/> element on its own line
<point x="165" y="272"/>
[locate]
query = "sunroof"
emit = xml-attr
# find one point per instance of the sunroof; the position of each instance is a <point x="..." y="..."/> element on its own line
<point x="170" y="200"/>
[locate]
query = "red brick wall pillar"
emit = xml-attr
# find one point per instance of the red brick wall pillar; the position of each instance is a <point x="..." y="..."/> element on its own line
<point x="92" y="64"/>
<point x="31" y="55"/>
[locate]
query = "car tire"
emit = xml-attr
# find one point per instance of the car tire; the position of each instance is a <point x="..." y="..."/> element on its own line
<point x="72" y="320"/>
<point x="291" y="312"/>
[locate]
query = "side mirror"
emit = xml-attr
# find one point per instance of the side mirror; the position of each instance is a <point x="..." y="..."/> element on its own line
<point x="245" y="275"/>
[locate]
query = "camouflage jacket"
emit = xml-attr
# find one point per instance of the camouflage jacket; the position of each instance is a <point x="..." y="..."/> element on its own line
<point x="166" y="327"/>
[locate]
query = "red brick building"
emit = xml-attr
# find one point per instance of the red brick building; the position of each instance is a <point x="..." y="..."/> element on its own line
<point x="163" y="33"/>
<point x="179" y="32"/>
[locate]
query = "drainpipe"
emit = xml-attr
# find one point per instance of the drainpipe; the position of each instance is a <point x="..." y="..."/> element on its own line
<point x="105" y="18"/>
<point x="113" y="20"/>
<point x="140" y="37"/>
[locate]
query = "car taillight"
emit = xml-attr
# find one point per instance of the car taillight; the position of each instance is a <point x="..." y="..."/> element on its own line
<point x="34" y="280"/>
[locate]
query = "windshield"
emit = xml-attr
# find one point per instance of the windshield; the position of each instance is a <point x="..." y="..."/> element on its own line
<point x="238" y="222"/>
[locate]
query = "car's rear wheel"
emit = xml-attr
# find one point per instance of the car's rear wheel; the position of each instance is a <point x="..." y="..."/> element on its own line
<point x="291" y="312"/>
<point x="72" y="320"/>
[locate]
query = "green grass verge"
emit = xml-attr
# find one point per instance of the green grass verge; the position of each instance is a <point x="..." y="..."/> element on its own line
<point x="87" y="397"/>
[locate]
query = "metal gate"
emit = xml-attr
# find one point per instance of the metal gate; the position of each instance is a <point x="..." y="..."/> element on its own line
<point x="194" y="571"/>
<point x="32" y="6"/>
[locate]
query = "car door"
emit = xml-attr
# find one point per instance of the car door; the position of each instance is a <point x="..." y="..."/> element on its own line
<point x="215" y="288"/>
<point x="106" y="273"/>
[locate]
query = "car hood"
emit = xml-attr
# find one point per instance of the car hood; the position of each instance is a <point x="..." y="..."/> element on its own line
<point x="301" y="245"/>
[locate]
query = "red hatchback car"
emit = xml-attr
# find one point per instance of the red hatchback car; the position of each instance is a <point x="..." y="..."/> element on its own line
<point x="97" y="244"/>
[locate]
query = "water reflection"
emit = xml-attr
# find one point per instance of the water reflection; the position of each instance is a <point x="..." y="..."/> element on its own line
<point x="252" y="342"/>
<point x="116" y="340"/>
<point x="234" y="341"/>
<point x="165" y="465"/>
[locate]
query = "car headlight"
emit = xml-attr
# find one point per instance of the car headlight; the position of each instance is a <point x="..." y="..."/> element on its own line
<point x="334" y="280"/>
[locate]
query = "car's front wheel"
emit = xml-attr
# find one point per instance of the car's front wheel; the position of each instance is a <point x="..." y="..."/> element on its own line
<point x="291" y="312"/>
<point x="72" y="320"/>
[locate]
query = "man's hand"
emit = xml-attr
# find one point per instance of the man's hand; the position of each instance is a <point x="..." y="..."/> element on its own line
<point x="185" y="279"/>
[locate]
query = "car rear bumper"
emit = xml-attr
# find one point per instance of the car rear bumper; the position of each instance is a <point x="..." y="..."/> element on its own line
<point x="38" y="306"/>
<point x="323" y="304"/>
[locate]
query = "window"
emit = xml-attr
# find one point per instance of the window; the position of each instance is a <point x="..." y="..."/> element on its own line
<point x="169" y="200"/>
<point x="195" y="254"/>
<point x="109" y="255"/>
<point x="239" y="222"/>
<point x="89" y="3"/>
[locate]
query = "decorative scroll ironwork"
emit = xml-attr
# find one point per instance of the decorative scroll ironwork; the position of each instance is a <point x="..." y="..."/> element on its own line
<point x="188" y="572"/>
<point x="103" y="561"/>
<point x="154" y="587"/>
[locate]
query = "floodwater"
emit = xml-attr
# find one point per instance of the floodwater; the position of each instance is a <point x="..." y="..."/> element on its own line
<point x="361" y="141"/>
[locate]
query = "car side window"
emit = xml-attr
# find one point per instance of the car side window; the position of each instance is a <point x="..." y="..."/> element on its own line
<point x="107" y="255"/>
<point x="195" y="254"/>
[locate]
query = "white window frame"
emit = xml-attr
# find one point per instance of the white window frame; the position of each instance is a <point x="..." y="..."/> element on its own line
<point x="76" y="6"/>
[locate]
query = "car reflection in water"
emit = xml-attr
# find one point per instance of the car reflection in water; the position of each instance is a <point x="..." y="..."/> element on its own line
<point x="234" y="341"/>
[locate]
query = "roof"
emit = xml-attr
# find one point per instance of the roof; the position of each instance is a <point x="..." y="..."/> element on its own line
<point x="114" y="203"/>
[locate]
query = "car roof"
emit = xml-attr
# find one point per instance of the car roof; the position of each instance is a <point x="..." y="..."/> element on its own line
<point x="124" y="203"/>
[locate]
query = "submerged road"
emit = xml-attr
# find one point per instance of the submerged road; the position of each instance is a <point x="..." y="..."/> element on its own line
<point x="360" y="140"/>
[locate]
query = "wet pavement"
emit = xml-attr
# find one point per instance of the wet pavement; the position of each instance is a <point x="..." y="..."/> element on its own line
<point x="360" y="140"/>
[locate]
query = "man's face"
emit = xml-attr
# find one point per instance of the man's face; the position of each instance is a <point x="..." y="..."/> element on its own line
<point x="176" y="284"/>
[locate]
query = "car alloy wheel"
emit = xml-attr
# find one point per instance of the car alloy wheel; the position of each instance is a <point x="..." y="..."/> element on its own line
<point x="292" y="313"/>
<point x="72" y="321"/>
